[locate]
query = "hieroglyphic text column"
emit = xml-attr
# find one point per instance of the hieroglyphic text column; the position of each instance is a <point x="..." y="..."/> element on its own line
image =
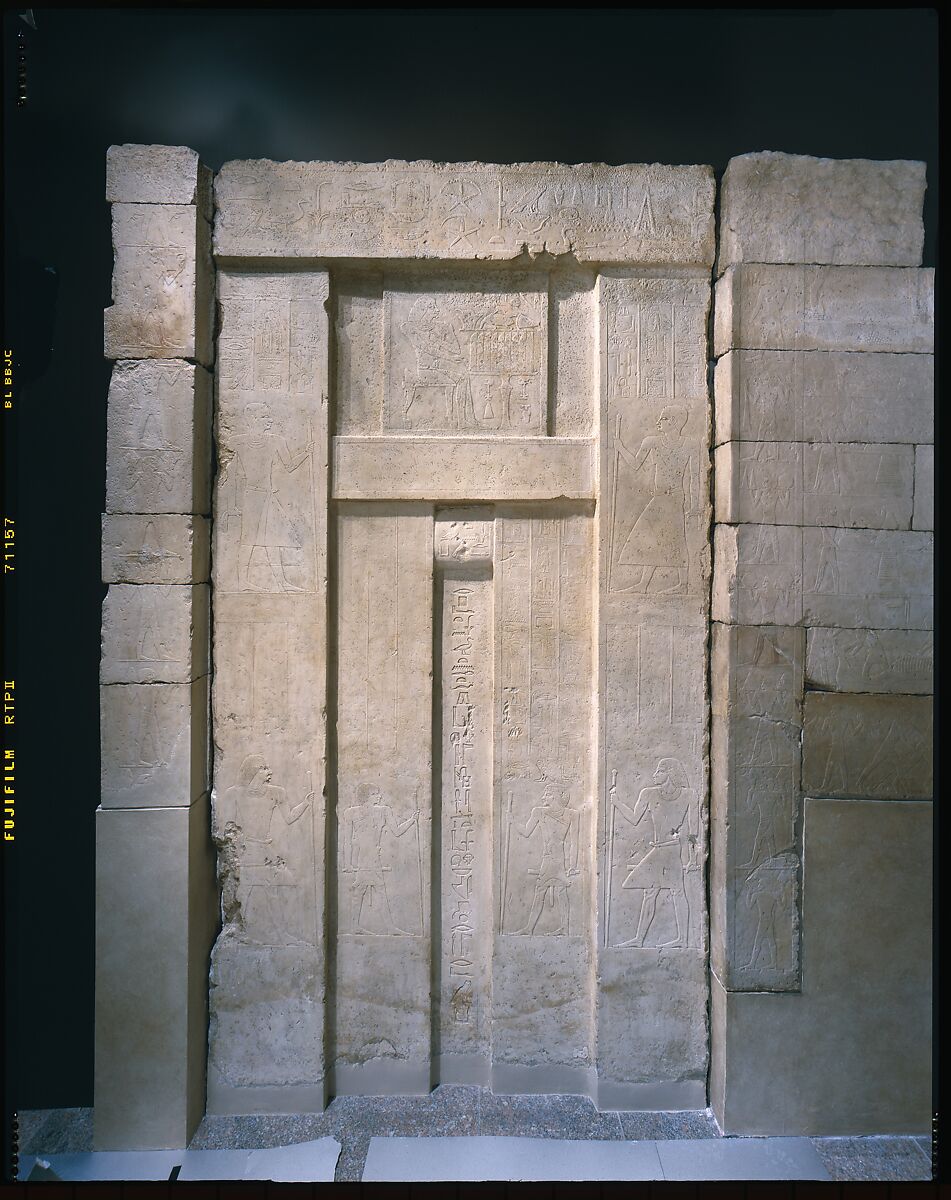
<point x="155" y="903"/>
<point x="266" y="1042"/>
<point x="822" y="649"/>
<point x="653" y="612"/>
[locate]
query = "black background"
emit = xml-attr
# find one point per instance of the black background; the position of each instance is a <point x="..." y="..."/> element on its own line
<point x="672" y="86"/>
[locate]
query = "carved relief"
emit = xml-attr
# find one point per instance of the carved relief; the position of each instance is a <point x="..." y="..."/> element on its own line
<point x="465" y="357"/>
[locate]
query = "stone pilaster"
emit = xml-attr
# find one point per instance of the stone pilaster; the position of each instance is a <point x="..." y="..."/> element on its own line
<point x="156" y="903"/>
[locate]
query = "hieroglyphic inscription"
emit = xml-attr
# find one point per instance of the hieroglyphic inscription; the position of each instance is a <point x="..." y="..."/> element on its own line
<point x="457" y="211"/>
<point x="384" y="787"/>
<point x="270" y="533"/>
<point x="543" y="702"/>
<point x="655" y="562"/>
<point x="466" y="356"/>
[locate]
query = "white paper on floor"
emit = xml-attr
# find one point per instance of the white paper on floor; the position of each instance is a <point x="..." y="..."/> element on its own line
<point x="741" y="1158"/>
<point x="109" y="1164"/>
<point x="418" y="1159"/>
<point x="303" y="1162"/>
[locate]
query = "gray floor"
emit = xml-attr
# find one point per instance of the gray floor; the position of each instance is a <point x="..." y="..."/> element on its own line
<point x="472" y="1111"/>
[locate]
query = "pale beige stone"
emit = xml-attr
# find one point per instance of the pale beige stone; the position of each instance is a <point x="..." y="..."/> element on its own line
<point x="158" y="439"/>
<point x="865" y="579"/>
<point x="654" y="568"/>
<point x="851" y="1054"/>
<point x="162" y="284"/>
<point x="924" y="488"/>
<point x="878" y="747"/>
<point x="462" y="469"/>
<point x="630" y="213"/>
<point x="154" y="633"/>
<point x="870" y="660"/>
<point x="359" y="346"/>
<point x="268" y="1006"/>
<point x="463" y="536"/>
<point x="466" y="354"/>
<point x="169" y="548"/>
<point x="137" y="174"/>
<point x="757" y="683"/>
<point x="156" y="915"/>
<point x="575" y="348"/>
<point x="824" y="308"/>
<point x="792" y="208"/>
<point x="824" y="396"/>
<point x="757" y="574"/>
<point x="383" y="809"/>
<point x="154" y="744"/>
<point x="852" y="484"/>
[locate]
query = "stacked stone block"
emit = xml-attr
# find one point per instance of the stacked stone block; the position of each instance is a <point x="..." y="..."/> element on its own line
<point x="822" y="645"/>
<point x="156" y="907"/>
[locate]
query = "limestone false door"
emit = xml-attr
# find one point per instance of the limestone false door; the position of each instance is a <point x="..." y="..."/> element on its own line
<point x="460" y="628"/>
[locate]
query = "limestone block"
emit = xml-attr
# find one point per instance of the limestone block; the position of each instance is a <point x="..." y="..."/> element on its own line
<point x="384" y="827"/>
<point x="879" y="747"/>
<point x="757" y="574"/>
<point x="162" y="284"/>
<point x="168" y="548"/>
<point x="156" y="914"/>
<point x="924" y="488"/>
<point x="824" y="396"/>
<point x="470" y="469"/>
<point x="268" y="1006"/>
<point x="158" y="439"/>
<point x="829" y="483"/>
<point x="630" y="213"/>
<point x="757" y="680"/>
<point x="870" y="660"/>
<point x="359" y="342"/>
<point x="137" y="174"/>
<point x="792" y="208"/>
<point x="544" y="811"/>
<point x="851" y="1054"/>
<point x="825" y="308"/>
<point x="154" y="633"/>
<point x="865" y="579"/>
<point x="466" y="354"/>
<point x="154" y="744"/>
<point x="575" y="349"/>
<point x="654" y="564"/>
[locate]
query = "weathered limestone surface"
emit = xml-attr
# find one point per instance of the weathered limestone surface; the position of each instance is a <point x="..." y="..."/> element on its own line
<point x="138" y="174"/>
<point x="169" y="548"/>
<point x="791" y="208"/>
<point x="824" y="396"/>
<point x="458" y="469"/>
<point x="154" y="744"/>
<point x="829" y="483"/>
<point x="155" y="922"/>
<point x="865" y="1005"/>
<point x="846" y="578"/>
<point x="924" y="488"/>
<point x="654" y="571"/>
<point x="885" y="309"/>
<point x="631" y="213"/>
<point x="158" y="438"/>
<point x="266" y="1039"/>
<point x="162" y="291"/>
<point x="154" y="634"/>
<point x="870" y="660"/>
<point x="757" y="674"/>
<point x="866" y="745"/>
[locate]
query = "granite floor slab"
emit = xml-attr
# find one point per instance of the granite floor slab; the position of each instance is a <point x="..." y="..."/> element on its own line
<point x="882" y="1159"/>
<point x="474" y="1159"/>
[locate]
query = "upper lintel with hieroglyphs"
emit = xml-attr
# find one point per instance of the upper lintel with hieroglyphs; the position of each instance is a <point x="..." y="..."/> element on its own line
<point x="636" y="213"/>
